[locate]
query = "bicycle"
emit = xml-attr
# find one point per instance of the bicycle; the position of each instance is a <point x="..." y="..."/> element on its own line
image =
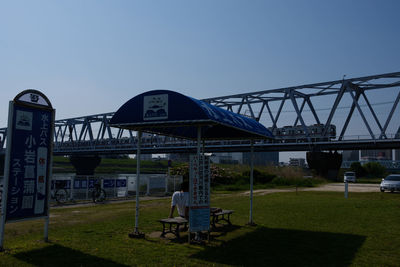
<point x="60" y="194"/>
<point x="98" y="194"/>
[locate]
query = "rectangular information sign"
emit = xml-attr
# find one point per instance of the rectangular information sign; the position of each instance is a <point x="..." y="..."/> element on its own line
<point x="199" y="175"/>
<point x="108" y="183"/>
<point x="29" y="161"/>
<point x="121" y="182"/>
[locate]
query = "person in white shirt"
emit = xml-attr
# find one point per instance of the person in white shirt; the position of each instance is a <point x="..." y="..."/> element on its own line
<point x="180" y="200"/>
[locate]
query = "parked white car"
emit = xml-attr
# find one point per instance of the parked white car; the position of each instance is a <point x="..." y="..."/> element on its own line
<point x="349" y="177"/>
<point x="391" y="183"/>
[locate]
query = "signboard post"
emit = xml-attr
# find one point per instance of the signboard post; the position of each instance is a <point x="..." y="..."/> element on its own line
<point x="28" y="162"/>
<point x="199" y="174"/>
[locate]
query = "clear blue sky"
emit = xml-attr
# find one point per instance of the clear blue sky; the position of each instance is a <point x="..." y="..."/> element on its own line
<point x="90" y="57"/>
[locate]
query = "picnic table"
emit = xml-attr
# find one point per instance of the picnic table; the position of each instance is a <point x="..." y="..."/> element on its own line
<point x="172" y="225"/>
<point x="218" y="214"/>
<point x="170" y="222"/>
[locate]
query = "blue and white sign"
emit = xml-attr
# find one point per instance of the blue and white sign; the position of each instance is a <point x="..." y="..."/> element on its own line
<point x="155" y="107"/>
<point x="108" y="183"/>
<point x="92" y="182"/>
<point x="28" y="159"/>
<point x="121" y="182"/>
<point x="199" y="192"/>
<point x="80" y="184"/>
<point x="58" y="184"/>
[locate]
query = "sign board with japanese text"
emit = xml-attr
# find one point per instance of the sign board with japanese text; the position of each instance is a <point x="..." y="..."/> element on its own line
<point x="29" y="156"/>
<point x="199" y="176"/>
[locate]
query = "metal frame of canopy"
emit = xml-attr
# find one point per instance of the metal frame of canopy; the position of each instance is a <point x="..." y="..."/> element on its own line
<point x="173" y="114"/>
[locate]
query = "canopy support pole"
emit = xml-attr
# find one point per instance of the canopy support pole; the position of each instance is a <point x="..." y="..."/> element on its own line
<point x="251" y="182"/>
<point x="136" y="233"/>
<point x="198" y="168"/>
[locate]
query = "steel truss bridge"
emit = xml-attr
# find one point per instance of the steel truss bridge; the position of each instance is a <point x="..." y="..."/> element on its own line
<point x="347" y="104"/>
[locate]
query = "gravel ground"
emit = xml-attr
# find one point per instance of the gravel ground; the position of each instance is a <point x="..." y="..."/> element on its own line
<point x="336" y="187"/>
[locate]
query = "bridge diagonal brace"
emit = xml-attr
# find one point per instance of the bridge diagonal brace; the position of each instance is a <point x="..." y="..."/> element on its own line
<point x="100" y="132"/>
<point x="251" y="109"/>
<point x="241" y="105"/>
<point x="313" y="110"/>
<point x="61" y="133"/>
<point x="270" y="114"/>
<point x="373" y="114"/>
<point x="279" y="111"/>
<point x="89" y="130"/>
<point x="296" y="107"/>
<point x="261" y="111"/>
<point x="353" y="106"/>
<point x="107" y="127"/>
<point x="334" y="108"/>
<point x="82" y="134"/>
<point x="301" y="110"/>
<point x="72" y="131"/>
<point x="396" y="102"/>
<point x="362" y="115"/>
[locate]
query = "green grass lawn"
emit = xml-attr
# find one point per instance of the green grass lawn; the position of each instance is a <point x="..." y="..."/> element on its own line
<point x="304" y="229"/>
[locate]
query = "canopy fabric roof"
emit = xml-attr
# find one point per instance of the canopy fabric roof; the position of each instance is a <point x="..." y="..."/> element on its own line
<point x="170" y="113"/>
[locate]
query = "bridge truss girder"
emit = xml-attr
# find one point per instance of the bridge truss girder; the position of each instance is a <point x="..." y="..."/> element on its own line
<point x="355" y="88"/>
<point x="93" y="134"/>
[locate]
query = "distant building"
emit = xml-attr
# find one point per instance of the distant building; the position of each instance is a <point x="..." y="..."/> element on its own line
<point x="262" y="158"/>
<point x="145" y="157"/>
<point x="351" y="155"/>
<point x="297" y="162"/>
<point x="397" y="154"/>
<point x="227" y="158"/>
<point x="376" y="154"/>
<point x="182" y="157"/>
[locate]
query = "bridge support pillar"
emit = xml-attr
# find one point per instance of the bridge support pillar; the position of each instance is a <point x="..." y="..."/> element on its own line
<point x="326" y="164"/>
<point x="85" y="165"/>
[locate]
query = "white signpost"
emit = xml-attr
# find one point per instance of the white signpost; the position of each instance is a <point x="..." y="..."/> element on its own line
<point x="199" y="175"/>
<point x="28" y="162"/>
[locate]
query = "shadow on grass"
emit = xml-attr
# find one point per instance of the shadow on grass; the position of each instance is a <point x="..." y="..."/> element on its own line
<point x="223" y="230"/>
<point x="56" y="255"/>
<point x="282" y="247"/>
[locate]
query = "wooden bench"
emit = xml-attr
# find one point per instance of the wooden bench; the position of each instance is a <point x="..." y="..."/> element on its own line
<point x="220" y="215"/>
<point x="170" y="222"/>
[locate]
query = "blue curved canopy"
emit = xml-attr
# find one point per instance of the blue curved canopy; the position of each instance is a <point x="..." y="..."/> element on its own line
<point x="173" y="114"/>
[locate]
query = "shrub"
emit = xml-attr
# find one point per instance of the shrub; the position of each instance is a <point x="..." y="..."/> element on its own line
<point x="357" y="168"/>
<point x="374" y="169"/>
<point x="182" y="170"/>
<point x="259" y="177"/>
<point x="219" y="175"/>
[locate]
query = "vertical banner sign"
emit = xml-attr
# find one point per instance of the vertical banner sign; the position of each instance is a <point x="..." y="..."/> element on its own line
<point x="28" y="158"/>
<point x="199" y="175"/>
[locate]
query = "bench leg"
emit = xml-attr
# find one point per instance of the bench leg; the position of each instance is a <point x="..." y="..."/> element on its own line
<point x="163" y="230"/>
<point x="229" y="219"/>
<point x="185" y="228"/>
<point x="177" y="231"/>
<point x="213" y="221"/>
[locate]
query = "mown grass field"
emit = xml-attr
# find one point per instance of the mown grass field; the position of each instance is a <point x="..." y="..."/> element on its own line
<point x="304" y="229"/>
